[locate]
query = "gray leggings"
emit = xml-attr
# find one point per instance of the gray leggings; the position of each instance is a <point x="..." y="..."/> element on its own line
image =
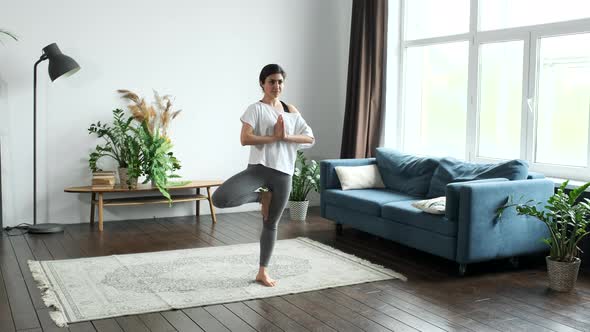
<point x="239" y="189"/>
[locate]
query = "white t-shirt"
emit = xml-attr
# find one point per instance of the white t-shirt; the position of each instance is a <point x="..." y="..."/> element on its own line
<point x="279" y="155"/>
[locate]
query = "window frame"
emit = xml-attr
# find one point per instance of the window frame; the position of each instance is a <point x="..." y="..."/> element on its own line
<point x="530" y="35"/>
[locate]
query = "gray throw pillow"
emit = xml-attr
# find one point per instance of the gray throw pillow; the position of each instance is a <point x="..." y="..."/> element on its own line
<point x="404" y="172"/>
<point x="453" y="170"/>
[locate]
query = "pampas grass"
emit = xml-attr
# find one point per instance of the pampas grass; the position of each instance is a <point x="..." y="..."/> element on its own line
<point x="157" y="115"/>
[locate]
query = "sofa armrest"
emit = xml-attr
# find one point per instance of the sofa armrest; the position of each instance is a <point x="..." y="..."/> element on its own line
<point x="482" y="236"/>
<point x="452" y="196"/>
<point x="329" y="178"/>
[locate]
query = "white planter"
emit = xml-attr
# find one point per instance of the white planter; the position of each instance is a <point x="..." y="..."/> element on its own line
<point x="298" y="210"/>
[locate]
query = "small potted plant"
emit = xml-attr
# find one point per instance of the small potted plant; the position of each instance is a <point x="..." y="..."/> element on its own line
<point x="122" y="144"/>
<point x="305" y="178"/>
<point x="567" y="220"/>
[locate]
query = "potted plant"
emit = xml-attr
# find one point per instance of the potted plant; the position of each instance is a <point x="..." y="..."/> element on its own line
<point x="122" y="144"/>
<point x="566" y="218"/>
<point x="305" y="178"/>
<point x="158" y="163"/>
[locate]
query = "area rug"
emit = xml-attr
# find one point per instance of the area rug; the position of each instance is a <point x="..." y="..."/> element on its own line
<point x="101" y="287"/>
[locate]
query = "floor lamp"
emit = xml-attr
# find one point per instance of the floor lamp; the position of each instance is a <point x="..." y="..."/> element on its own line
<point x="59" y="65"/>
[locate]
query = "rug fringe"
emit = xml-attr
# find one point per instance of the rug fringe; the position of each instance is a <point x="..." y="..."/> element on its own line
<point x="56" y="312"/>
<point x="355" y="259"/>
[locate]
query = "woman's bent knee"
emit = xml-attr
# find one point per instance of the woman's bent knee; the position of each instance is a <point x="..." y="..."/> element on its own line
<point x="218" y="200"/>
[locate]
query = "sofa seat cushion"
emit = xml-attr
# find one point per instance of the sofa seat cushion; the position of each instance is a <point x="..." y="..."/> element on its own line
<point x="403" y="212"/>
<point x="367" y="201"/>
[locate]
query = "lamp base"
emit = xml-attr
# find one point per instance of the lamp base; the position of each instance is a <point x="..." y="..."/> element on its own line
<point x="45" y="228"/>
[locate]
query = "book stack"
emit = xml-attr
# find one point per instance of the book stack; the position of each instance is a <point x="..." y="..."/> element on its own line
<point x="103" y="180"/>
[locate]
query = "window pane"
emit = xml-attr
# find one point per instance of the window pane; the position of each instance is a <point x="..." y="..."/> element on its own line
<point x="435" y="18"/>
<point x="500" y="100"/>
<point x="435" y="99"/>
<point x="500" y="14"/>
<point x="564" y="100"/>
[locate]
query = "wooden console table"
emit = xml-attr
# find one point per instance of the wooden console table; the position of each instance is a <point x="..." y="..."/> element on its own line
<point x="101" y="202"/>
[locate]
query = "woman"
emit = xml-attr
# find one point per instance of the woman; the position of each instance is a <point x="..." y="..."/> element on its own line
<point x="275" y="131"/>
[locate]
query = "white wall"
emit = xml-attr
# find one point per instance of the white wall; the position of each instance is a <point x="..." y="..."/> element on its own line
<point x="207" y="54"/>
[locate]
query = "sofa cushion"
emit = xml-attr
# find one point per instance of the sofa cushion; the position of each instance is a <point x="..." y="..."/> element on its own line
<point x="403" y="212"/>
<point x="432" y="205"/>
<point x="405" y="173"/>
<point x="359" y="177"/>
<point x="453" y="170"/>
<point x="367" y="201"/>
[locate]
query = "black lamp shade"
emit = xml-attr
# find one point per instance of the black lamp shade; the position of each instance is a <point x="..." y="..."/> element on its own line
<point x="59" y="63"/>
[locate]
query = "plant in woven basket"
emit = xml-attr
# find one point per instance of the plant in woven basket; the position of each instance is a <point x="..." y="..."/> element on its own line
<point x="158" y="163"/>
<point x="305" y="178"/>
<point x="567" y="219"/>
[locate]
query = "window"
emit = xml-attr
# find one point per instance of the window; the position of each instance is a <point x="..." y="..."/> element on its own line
<point x="496" y="80"/>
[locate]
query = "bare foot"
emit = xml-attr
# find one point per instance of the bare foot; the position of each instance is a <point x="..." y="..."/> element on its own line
<point x="265" y="198"/>
<point x="263" y="278"/>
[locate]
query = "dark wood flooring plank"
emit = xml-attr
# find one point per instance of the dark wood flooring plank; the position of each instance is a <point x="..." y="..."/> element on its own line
<point x="180" y="321"/>
<point x="23" y="255"/>
<point x="321" y="313"/>
<point x="303" y="318"/>
<point x="37" y="246"/>
<point x="275" y="316"/>
<point x="82" y="327"/>
<point x="106" y="325"/>
<point x="581" y="326"/>
<point x="250" y="316"/>
<point x="47" y="324"/>
<point x="411" y="308"/>
<point x="131" y="324"/>
<point x="372" y="314"/>
<point x="441" y="310"/>
<point x="156" y="322"/>
<point x="205" y="320"/>
<point x="403" y="316"/>
<point x="344" y="313"/>
<point x="21" y="305"/>
<point x="229" y="319"/>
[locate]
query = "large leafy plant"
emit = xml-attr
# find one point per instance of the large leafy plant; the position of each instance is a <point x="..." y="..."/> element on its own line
<point x="305" y="178"/>
<point x="566" y="217"/>
<point x="158" y="163"/>
<point x="121" y="142"/>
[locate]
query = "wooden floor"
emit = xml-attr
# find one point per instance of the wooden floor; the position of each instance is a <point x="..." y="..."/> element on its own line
<point x="492" y="297"/>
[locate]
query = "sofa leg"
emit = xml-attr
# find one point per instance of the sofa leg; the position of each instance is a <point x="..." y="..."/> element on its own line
<point x="462" y="269"/>
<point x="514" y="262"/>
<point x="339" y="229"/>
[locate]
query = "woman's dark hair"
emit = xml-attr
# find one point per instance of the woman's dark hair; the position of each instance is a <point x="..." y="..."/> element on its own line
<point x="270" y="69"/>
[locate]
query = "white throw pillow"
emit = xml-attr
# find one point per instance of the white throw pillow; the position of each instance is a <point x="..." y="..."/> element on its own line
<point x="433" y="205"/>
<point x="359" y="177"/>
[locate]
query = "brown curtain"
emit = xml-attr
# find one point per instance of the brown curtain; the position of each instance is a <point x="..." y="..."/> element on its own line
<point x="365" y="90"/>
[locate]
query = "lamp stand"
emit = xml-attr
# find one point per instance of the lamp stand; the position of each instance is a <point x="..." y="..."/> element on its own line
<point x="43" y="228"/>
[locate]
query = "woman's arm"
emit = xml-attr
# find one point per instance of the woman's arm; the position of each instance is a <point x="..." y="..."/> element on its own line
<point x="301" y="139"/>
<point x="247" y="136"/>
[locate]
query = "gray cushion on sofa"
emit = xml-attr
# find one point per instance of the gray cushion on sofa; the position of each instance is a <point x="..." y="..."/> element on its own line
<point x="367" y="201"/>
<point x="405" y="173"/>
<point x="453" y="170"/>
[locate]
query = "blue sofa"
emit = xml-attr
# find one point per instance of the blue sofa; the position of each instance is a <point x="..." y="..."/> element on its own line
<point x="468" y="232"/>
